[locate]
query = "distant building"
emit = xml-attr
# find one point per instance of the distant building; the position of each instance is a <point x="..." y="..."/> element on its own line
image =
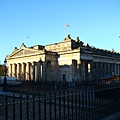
<point x="69" y="60"/>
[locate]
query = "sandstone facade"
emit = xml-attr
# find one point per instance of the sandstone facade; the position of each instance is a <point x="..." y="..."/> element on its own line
<point x="69" y="60"/>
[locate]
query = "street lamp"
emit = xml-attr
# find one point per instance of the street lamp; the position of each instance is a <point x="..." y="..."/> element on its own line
<point x="5" y="79"/>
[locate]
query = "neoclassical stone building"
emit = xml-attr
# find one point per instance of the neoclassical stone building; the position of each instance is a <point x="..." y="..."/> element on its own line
<point x="69" y="60"/>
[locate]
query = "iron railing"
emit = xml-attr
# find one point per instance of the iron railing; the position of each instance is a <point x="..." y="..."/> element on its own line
<point x="87" y="102"/>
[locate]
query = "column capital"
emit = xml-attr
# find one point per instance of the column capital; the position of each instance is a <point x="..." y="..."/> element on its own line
<point x="27" y="63"/>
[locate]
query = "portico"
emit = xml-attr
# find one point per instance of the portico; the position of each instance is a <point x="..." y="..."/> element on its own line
<point x="27" y="71"/>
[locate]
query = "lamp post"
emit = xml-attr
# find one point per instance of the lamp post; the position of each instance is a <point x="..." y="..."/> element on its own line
<point x="5" y="79"/>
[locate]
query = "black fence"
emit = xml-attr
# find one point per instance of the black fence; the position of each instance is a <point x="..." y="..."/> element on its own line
<point x="87" y="102"/>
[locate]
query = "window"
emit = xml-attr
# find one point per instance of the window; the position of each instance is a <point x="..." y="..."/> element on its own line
<point x="89" y="67"/>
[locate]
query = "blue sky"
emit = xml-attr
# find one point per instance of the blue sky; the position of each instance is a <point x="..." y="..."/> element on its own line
<point x="96" y="22"/>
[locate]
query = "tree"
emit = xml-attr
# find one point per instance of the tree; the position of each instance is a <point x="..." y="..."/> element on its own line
<point x="2" y="69"/>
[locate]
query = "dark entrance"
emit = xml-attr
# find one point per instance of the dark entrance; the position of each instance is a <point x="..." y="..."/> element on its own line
<point x="64" y="77"/>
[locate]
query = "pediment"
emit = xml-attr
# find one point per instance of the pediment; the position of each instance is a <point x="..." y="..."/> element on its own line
<point x="87" y="50"/>
<point x="25" y="52"/>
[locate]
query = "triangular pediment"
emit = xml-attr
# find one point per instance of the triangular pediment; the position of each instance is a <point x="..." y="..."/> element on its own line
<point x="87" y="49"/>
<point x="25" y="52"/>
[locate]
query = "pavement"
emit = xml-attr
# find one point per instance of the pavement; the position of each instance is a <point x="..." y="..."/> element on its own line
<point x="4" y="93"/>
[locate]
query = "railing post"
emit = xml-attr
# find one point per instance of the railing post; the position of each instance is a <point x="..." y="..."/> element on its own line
<point x="68" y="103"/>
<point x="83" y="104"/>
<point x="39" y="102"/>
<point x="45" y="106"/>
<point x="89" y="99"/>
<point x="55" y="104"/>
<point x="6" y="106"/>
<point x="27" y="106"/>
<point x="79" y="103"/>
<point x="59" y="105"/>
<point x="76" y="104"/>
<point x="86" y="109"/>
<point x="13" y="107"/>
<point x="20" y="107"/>
<point x="72" y="103"/>
<point x="50" y="105"/>
<point x="33" y="97"/>
<point x="64" y="103"/>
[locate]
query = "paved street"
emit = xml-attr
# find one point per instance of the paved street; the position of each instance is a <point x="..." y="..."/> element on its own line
<point x="5" y="93"/>
<point x="1" y="88"/>
<point x="8" y="93"/>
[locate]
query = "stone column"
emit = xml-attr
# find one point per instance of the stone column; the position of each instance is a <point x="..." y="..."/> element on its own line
<point x="118" y="71"/>
<point x="78" y="70"/>
<point x="115" y="69"/>
<point x="97" y="71"/>
<point x="57" y="69"/>
<point x="33" y="71"/>
<point x="53" y="73"/>
<point x="27" y="71"/>
<point x="10" y="70"/>
<point x="83" y="73"/>
<point x="112" y="68"/>
<point x="23" y="71"/>
<point x="105" y="70"/>
<point x="39" y="70"/>
<point x="36" y="72"/>
<point x="18" y="71"/>
<point x="70" y="72"/>
<point x="30" y="71"/>
<point x="41" y="73"/>
<point x="109" y="68"/>
<point x="44" y="75"/>
<point x="101" y="69"/>
<point x="92" y="71"/>
<point x="94" y="65"/>
<point x="13" y="70"/>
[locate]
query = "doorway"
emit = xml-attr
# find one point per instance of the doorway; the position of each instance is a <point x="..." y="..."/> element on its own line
<point x="64" y="77"/>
